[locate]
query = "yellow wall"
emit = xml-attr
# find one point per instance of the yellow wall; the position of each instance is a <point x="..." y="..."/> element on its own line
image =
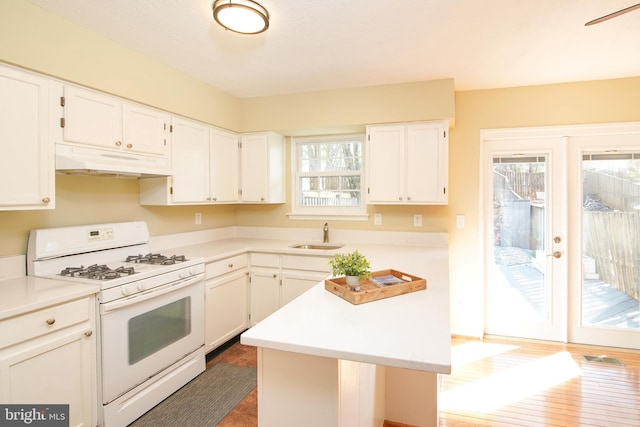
<point x="345" y="110"/>
<point x="573" y="103"/>
<point x="33" y="39"/>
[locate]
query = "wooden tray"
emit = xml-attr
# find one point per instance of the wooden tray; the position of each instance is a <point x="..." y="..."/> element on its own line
<point x="370" y="291"/>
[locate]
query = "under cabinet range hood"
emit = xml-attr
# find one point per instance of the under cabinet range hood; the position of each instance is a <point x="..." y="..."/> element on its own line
<point x="75" y="160"/>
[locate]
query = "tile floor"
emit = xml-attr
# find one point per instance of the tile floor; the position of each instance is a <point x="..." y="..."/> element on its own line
<point x="246" y="413"/>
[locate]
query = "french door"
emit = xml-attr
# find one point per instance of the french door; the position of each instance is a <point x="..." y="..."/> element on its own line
<point x="525" y="237"/>
<point x="561" y="209"/>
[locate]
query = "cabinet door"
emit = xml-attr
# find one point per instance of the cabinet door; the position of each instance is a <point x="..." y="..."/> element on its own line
<point x="53" y="369"/>
<point x="92" y="118"/>
<point x="226" y="308"/>
<point x="27" y="166"/>
<point x="295" y="283"/>
<point x="190" y="146"/>
<point x="426" y="164"/>
<point x="254" y="168"/>
<point x="145" y="130"/>
<point x="224" y="166"/>
<point x="265" y="294"/>
<point x="385" y="152"/>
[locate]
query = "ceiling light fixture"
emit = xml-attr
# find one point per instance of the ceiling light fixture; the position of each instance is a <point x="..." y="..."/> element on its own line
<point x="241" y="16"/>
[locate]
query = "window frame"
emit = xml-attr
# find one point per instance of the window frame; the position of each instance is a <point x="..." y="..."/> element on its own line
<point x="349" y="213"/>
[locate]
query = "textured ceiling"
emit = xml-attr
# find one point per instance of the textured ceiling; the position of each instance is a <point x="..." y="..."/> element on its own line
<point x="316" y="45"/>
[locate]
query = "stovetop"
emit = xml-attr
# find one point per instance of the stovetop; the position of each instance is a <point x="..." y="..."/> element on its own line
<point x="132" y="265"/>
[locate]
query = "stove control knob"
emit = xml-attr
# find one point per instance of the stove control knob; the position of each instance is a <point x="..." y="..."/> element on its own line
<point x="141" y="287"/>
<point x="186" y="273"/>
<point x="125" y="291"/>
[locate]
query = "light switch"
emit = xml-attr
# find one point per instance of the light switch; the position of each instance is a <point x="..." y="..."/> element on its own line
<point x="459" y="221"/>
<point x="198" y="218"/>
<point x="417" y="220"/>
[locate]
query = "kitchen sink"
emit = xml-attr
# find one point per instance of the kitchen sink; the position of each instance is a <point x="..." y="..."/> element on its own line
<point x="321" y="246"/>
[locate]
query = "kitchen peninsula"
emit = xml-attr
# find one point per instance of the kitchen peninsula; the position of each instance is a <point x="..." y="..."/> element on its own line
<point x="325" y="362"/>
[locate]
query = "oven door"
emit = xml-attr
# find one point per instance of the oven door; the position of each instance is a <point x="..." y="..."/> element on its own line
<point x="145" y="333"/>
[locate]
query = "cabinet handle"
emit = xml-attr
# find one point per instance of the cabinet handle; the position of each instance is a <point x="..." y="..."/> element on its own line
<point x="129" y="145"/>
<point x="408" y="198"/>
<point x="88" y="333"/>
<point x="400" y="198"/>
<point x="275" y="275"/>
<point x="46" y="200"/>
<point x="230" y="265"/>
<point x="215" y="199"/>
<point x="262" y="199"/>
<point x="51" y="321"/>
<point x="118" y="143"/>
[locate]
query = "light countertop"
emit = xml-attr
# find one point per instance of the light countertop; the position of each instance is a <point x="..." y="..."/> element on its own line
<point x="406" y="331"/>
<point x="24" y="294"/>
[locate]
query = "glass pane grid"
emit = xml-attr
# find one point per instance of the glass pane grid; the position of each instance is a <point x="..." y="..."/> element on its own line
<point x="329" y="173"/>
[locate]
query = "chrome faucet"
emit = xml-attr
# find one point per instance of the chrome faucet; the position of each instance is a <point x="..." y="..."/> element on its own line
<point x="325" y="229"/>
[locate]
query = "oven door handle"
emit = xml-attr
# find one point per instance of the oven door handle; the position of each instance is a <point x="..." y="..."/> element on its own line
<point x="149" y="294"/>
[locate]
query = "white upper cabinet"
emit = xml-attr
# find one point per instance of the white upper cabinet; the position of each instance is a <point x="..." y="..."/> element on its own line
<point x="96" y="119"/>
<point x="145" y="130"/>
<point x="224" y="165"/>
<point x="205" y="167"/>
<point x="407" y="163"/>
<point x="262" y="166"/>
<point x="27" y="173"/>
<point x="190" y="181"/>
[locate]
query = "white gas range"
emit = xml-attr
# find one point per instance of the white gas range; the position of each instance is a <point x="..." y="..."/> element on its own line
<point x="151" y="310"/>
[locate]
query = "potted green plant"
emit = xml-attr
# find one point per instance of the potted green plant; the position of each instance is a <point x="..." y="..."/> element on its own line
<point x="354" y="266"/>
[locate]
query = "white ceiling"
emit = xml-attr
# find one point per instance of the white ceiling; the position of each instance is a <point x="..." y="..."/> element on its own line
<point x="316" y="45"/>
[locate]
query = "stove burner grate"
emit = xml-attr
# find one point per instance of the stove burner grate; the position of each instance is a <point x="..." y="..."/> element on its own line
<point x="97" y="272"/>
<point x="156" y="259"/>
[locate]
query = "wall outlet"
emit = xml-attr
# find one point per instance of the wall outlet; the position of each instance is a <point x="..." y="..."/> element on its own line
<point x="417" y="220"/>
<point x="377" y="219"/>
<point x="459" y="221"/>
<point x="198" y="218"/>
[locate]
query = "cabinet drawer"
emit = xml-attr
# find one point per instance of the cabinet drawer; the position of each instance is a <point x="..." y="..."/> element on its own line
<point x="309" y="263"/>
<point x="50" y="319"/>
<point x="265" y="260"/>
<point x="227" y="265"/>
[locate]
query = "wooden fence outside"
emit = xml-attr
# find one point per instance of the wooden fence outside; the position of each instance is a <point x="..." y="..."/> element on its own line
<point x="525" y="185"/>
<point x="611" y="239"/>
<point x="617" y="193"/>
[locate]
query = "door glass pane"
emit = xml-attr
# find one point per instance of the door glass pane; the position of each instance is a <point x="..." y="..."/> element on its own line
<point x="156" y="329"/>
<point x="518" y="286"/>
<point x="611" y="243"/>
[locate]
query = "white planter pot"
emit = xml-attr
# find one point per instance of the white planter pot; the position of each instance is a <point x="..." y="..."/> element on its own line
<point x="353" y="283"/>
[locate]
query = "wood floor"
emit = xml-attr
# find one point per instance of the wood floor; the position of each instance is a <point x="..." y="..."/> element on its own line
<point x="503" y="382"/>
<point x="498" y="382"/>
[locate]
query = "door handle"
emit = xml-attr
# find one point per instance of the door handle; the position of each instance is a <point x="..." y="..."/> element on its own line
<point x="557" y="239"/>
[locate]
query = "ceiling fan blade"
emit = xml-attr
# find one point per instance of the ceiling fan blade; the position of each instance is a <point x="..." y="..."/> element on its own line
<point x="613" y="15"/>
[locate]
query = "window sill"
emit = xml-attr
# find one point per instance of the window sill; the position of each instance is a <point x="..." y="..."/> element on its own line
<point x="329" y="217"/>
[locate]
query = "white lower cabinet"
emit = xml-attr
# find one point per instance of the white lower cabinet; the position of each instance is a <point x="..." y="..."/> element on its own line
<point x="48" y="357"/>
<point x="278" y="279"/>
<point x="226" y="300"/>
<point x="301" y="273"/>
<point x="265" y="293"/>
